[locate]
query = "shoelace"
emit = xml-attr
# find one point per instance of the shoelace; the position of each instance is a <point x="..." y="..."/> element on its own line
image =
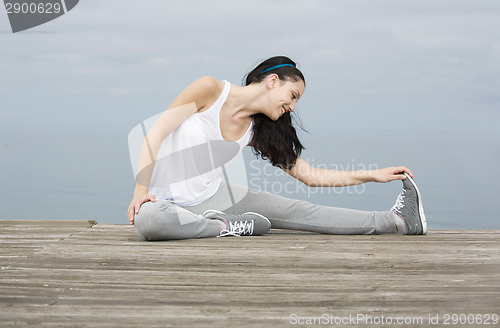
<point x="399" y="202"/>
<point x="238" y="228"/>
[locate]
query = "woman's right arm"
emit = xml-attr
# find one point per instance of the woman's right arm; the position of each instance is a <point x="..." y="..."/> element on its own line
<point x="194" y="98"/>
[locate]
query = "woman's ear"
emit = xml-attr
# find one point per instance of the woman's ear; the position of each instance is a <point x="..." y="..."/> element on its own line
<point x="272" y="80"/>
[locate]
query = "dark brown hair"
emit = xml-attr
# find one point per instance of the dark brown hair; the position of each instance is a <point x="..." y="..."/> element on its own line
<point x="277" y="140"/>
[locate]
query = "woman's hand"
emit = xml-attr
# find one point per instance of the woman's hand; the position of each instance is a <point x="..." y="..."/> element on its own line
<point x="136" y="203"/>
<point x="390" y="174"/>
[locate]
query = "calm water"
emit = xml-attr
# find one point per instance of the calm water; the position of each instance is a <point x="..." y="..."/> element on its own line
<point x="71" y="174"/>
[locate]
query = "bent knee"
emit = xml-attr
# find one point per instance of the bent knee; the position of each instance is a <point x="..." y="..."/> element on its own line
<point x="156" y="221"/>
<point x="145" y="222"/>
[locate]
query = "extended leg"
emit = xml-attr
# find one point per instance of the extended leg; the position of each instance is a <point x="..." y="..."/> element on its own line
<point x="285" y="213"/>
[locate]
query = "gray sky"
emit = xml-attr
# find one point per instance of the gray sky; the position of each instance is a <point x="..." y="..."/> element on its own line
<point x="437" y="62"/>
<point x="376" y="70"/>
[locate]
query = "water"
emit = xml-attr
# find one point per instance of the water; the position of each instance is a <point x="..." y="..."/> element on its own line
<point x="85" y="173"/>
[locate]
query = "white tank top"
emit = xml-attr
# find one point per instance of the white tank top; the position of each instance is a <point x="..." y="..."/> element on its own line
<point x="190" y="161"/>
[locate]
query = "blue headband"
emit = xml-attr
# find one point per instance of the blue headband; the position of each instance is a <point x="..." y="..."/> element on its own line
<point x="277" y="66"/>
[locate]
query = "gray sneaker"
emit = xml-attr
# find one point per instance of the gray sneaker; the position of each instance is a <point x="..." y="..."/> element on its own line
<point x="246" y="224"/>
<point x="409" y="207"/>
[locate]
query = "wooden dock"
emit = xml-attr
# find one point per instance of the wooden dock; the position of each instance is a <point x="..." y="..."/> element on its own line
<point x="82" y="274"/>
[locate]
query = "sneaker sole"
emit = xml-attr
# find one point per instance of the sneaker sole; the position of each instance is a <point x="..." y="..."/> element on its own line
<point x="211" y="212"/>
<point x="423" y="221"/>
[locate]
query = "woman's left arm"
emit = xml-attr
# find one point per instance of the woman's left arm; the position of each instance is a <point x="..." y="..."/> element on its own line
<point x="316" y="177"/>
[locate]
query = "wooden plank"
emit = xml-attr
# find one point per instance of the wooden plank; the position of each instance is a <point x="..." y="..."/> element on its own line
<point x="105" y="275"/>
<point x="48" y="223"/>
<point x="20" y="239"/>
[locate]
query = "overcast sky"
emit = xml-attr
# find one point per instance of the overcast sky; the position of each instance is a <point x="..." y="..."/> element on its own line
<point x="72" y="89"/>
<point x="104" y="62"/>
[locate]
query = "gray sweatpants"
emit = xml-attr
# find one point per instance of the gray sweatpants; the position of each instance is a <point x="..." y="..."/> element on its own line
<point x="163" y="220"/>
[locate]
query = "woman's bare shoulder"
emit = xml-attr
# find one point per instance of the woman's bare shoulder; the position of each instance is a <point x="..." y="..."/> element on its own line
<point x="212" y="88"/>
<point x="203" y="92"/>
<point x="210" y="83"/>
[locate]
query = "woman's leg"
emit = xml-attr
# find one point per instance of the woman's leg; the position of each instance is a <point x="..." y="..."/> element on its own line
<point x="163" y="220"/>
<point x="285" y="213"/>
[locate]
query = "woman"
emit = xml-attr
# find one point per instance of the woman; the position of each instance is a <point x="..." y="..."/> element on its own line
<point x="180" y="192"/>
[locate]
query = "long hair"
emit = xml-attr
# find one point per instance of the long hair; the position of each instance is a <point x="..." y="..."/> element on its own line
<point x="277" y="140"/>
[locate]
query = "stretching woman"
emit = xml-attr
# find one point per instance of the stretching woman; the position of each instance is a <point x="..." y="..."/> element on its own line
<point x="181" y="193"/>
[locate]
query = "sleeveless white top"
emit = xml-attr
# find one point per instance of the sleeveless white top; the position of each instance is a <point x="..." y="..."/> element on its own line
<point x="190" y="161"/>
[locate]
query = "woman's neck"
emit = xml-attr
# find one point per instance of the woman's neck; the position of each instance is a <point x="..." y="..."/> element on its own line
<point x="244" y="102"/>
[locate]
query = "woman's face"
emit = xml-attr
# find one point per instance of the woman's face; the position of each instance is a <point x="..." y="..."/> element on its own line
<point x="283" y="95"/>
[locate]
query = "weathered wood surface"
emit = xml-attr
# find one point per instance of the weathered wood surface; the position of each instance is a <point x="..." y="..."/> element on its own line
<point x="76" y="274"/>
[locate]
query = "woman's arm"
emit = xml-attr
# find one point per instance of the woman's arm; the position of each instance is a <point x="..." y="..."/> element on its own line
<point x="195" y="97"/>
<point x="315" y="177"/>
